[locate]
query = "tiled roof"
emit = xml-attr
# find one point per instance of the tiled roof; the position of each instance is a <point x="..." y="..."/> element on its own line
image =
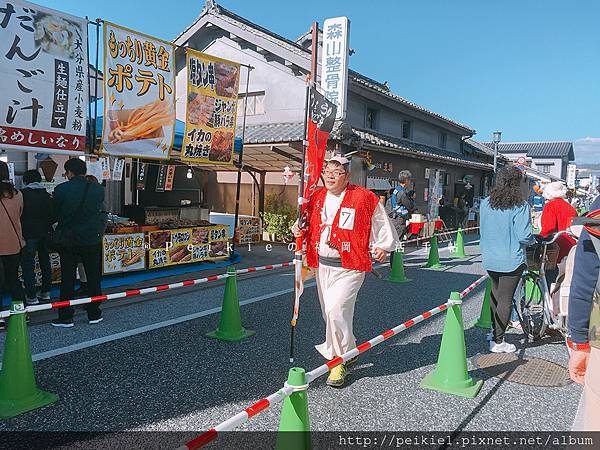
<point x="211" y="7"/>
<point x="537" y="149"/>
<point x="414" y="149"/>
<point x="481" y="147"/>
<point x="293" y="132"/>
<point x="385" y="90"/>
<point x="272" y="133"/>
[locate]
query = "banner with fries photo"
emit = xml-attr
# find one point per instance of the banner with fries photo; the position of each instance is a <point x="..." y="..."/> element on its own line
<point x="123" y="253"/>
<point x="139" y="94"/>
<point x="212" y="92"/>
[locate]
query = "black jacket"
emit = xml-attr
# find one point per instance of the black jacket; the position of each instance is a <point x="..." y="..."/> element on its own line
<point x="36" y="218"/>
<point x="86" y="223"/>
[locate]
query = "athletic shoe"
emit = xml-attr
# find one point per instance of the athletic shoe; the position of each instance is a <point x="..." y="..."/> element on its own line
<point x="337" y="376"/>
<point x="503" y="347"/>
<point x="95" y="321"/>
<point x="516" y="325"/>
<point x="63" y="323"/>
<point x="352" y="360"/>
<point x="32" y="301"/>
<point x="45" y="296"/>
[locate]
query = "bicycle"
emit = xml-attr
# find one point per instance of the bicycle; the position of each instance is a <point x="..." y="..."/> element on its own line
<point x="533" y="299"/>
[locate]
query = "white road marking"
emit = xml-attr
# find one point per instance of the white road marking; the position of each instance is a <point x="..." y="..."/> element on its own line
<point x="154" y="326"/>
<point x="178" y="320"/>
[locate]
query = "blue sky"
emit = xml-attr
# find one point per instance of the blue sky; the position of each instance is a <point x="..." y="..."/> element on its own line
<point x="529" y="68"/>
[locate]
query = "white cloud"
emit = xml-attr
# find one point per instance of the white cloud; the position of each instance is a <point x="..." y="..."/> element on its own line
<point x="587" y="150"/>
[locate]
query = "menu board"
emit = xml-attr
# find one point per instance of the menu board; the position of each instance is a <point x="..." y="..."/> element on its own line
<point x="185" y="245"/>
<point x="123" y="253"/>
<point x="248" y="230"/>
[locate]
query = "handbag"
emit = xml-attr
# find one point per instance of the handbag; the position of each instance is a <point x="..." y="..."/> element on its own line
<point x="62" y="236"/>
<point x="13" y="226"/>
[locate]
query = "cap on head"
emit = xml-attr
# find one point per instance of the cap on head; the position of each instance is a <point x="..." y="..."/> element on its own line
<point x="339" y="158"/>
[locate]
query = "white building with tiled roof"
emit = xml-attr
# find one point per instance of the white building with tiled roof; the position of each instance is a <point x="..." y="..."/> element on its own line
<point x="389" y="130"/>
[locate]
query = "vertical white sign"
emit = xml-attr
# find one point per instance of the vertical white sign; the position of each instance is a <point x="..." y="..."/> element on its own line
<point x="571" y="175"/>
<point x="334" y="62"/>
<point x="117" y="174"/>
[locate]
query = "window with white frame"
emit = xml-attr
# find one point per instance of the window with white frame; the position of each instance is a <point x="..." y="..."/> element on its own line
<point x="255" y="105"/>
<point x="544" y="168"/>
<point x="371" y="118"/>
<point x="443" y="140"/>
<point x="406" y="129"/>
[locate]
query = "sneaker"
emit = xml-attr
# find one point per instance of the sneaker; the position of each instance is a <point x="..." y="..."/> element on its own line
<point x="516" y="325"/>
<point x="337" y="376"/>
<point x="94" y="321"/>
<point x="352" y="360"/>
<point x="31" y="301"/>
<point x="63" y="323"/>
<point x="45" y="296"/>
<point x="503" y="347"/>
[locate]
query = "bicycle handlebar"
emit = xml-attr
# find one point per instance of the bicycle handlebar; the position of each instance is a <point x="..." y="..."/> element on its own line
<point x="547" y="241"/>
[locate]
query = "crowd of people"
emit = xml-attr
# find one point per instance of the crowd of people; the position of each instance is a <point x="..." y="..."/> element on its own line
<point x="71" y="221"/>
<point x="506" y="232"/>
<point x="347" y="226"/>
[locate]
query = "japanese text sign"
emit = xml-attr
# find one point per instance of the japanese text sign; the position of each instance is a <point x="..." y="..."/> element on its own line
<point x="43" y="68"/>
<point x="212" y="91"/>
<point x="334" y="62"/>
<point x="123" y="252"/>
<point x="139" y="94"/>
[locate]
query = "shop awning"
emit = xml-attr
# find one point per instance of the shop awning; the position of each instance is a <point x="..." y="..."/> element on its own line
<point x="378" y="184"/>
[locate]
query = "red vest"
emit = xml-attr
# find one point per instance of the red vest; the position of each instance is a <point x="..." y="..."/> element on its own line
<point x="350" y="231"/>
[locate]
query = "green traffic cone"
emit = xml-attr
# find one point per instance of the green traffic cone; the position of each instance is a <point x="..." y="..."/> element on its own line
<point x="18" y="390"/>
<point x="294" y="423"/>
<point x="433" y="262"/>
<point x="485" y="316"/>
<point x="459" y="251"/>
<point x="230" y="323"/>
<point x="451" y="374"/>
<point x="397" y="274"/>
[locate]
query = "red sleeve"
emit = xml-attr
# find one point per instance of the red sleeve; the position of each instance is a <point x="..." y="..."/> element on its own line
<point x="548" y="220"/>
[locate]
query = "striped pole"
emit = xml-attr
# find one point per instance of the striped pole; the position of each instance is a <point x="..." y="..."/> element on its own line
<point x="286" y="391"/>
<point x="238" y="419"/>
<point x="145" y="291"/>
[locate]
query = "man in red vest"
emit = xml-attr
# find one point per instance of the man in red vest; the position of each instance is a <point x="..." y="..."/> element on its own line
<point x="346" y="223"/>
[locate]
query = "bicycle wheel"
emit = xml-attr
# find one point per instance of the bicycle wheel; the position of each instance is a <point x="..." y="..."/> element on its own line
<point x="530" y="306"/>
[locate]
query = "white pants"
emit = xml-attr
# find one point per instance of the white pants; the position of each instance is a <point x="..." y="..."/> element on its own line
<point x="338" y="289"/>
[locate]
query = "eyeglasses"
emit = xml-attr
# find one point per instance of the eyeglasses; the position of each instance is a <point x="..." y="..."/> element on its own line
<point x="333" y="174"/>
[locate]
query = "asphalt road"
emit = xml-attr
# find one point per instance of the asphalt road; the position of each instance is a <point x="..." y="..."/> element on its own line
<point x="148" y="366"/>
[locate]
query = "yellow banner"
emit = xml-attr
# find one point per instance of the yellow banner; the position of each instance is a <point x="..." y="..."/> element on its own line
<point x="139" y="94"/>
<point x="212" y="91"/>
<point x="185" y="245"/>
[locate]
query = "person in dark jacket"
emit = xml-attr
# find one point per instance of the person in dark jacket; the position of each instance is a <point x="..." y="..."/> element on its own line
<point x="36" y="221"/>
<point x="78" y="207"/>
<point x="584" y="325"/>
<point x="399" y="204"/>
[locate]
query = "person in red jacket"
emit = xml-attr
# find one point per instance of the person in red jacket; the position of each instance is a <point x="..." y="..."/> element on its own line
<point x="345" y="223"/>
<point x="556" y="217"/>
